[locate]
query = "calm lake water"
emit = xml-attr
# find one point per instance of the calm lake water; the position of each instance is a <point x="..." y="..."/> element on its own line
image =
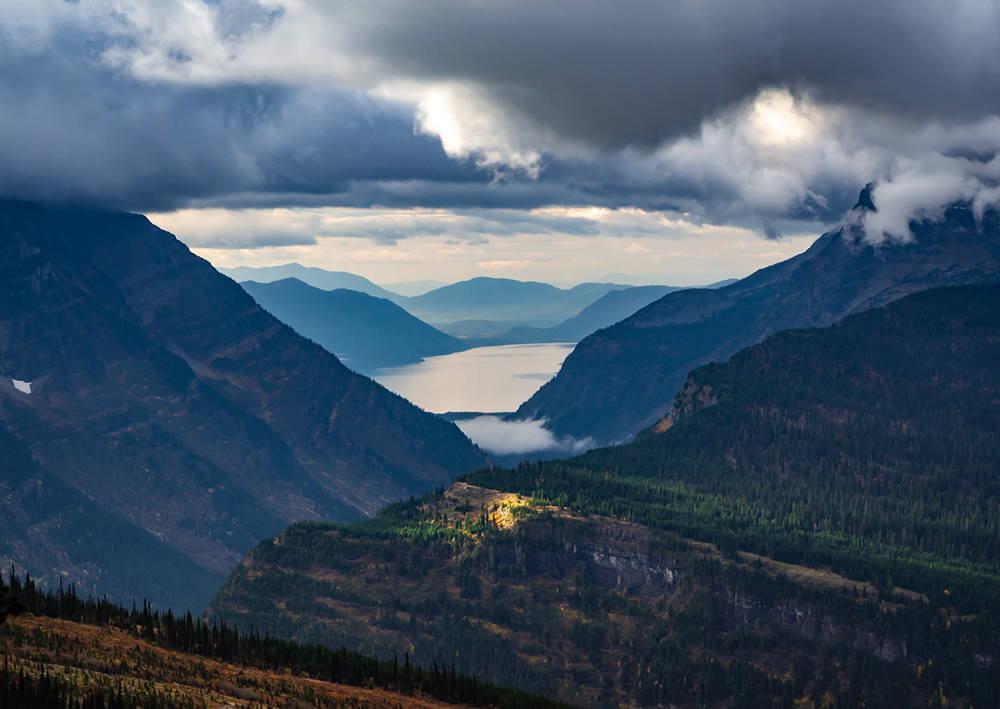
<point x="488" y="379"/>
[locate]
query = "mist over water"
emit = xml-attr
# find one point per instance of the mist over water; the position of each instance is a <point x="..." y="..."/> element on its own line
<point x="486" y="379"/>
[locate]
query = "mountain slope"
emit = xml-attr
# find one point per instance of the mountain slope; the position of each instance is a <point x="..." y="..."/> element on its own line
<point x="623" y="379"/>
<point x="65" y="651"/>
<point x="316" y="277"/>
<point x="814" y="524"/>
<point x="366" y="333"/>
<point x="504" y="299"/>
<point x="160" y="390"/>
<point x="63" y="531"/>
<point x="606" y="310"/>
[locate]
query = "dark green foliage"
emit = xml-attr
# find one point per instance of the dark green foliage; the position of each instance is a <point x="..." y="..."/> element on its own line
<point x="50" y="692"/>
<point x="698" y="647"/>
<point x="869" y="447"/>
<point x="10" y="604"/>
<point x="221" y="642"/>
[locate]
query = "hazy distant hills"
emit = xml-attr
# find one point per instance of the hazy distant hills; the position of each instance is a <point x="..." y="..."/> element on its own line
<point x="316" y="277"/>
<point x="140" y="377"/>
<point x="621" y="379"/>
<point x="480" y="307"/>
<point x="413" y="288"/>
<point x="607" y="310"/>
<point x="504" y="299"/>
<point x="366" y="333"/>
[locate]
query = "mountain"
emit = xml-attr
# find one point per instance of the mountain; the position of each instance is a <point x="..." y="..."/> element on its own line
<point x="61" y="531"/>
<point x="366" y="333"/>
<point x="622" y="379"/>
<point x="412" y="288"/>
<point x="144" y="380"/>
<point x="316" y="277"/>
<point x="814" y="524"/>
<point x="504" y="299"/>
<point x="606" y="310"/>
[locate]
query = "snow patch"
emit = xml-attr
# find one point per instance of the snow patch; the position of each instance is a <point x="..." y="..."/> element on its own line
<point x="24" y="387"/>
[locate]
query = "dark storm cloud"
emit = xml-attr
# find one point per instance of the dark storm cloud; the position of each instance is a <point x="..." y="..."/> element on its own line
<point x="636" y="72"/>
<point x="79" y="131"/>
<point x="567" y="102"/>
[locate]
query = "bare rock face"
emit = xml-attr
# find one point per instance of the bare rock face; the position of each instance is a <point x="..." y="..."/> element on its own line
<point x="623" y="379"/>
<point x="164" y="394"/>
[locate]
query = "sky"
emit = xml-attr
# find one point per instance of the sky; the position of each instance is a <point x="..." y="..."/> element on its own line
<point x="667" y="142"/>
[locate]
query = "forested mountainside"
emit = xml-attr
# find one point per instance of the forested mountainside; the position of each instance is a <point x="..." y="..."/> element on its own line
<point x="60" y="651"/>
<point x="622" y="379"/>
<point x="815" y="522"/>
<point x="142" y="378"/>
<point x="365" y="332"/>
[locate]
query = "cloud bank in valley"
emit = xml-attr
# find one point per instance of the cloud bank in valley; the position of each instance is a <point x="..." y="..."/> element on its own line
<point x="768" y="115"/>
<point x="511" y="438"/>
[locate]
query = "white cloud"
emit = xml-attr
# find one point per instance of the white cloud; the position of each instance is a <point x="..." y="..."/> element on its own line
<point x="557" y="245"/>
<point x="519" y="437"/>
<point x="918" y="191"/>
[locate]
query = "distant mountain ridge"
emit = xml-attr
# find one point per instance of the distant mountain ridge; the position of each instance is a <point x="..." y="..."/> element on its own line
<point x="607" y="310"/>
<point x="163" y="393"/>
<point x="497" y="304"/>
<point x="316" y="277"/>
<point x="622" y="379"/>
<point x="505" y="299"/>
<point x="367" y="333"/>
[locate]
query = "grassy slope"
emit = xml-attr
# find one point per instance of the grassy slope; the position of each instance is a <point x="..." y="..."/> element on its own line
<point x="93" y="657"/>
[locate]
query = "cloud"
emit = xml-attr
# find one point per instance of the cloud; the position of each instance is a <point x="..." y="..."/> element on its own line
<point x="216" y="228"/>
<point x="920" y="191"/>
<point x="768" y="114"/>
<point x="519" y="437"/>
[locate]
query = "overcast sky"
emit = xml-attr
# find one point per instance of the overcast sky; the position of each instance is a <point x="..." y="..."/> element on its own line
<point x="565" y="140"/>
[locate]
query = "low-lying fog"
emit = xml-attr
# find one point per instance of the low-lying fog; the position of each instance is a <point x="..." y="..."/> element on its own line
<point x="489" y="380"/>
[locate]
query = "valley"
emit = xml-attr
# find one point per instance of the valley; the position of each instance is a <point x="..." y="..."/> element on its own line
<point x="792" y="563"/>
<point x="499" y="355"/>
<point x="177" y="421"/>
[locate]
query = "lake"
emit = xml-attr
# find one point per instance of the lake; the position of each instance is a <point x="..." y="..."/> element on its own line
<point x="488" y="379"/>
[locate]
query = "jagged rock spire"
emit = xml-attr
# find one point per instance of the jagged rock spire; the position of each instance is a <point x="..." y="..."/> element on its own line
<point x="865" y="199"/>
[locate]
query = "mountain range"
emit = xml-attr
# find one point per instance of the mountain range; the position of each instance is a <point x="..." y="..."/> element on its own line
<point x="493" y="304"/>
<point x="622" y="379"/>
<point x="812" y="524"/>
<point x="507" y="300"/>
<point x="606" y="310"/>
<point x="365" y="332"/>
<point x="316" y="277"/>
<point x="147" y="393"/>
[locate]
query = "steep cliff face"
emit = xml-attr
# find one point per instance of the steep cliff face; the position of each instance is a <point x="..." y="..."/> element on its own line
<point x="623" y="379"/>
<point x="160" y="390"/>
<point x="585" y="608"/>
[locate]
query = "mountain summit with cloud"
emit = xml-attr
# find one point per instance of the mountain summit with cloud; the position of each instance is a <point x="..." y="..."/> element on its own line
<point x="622" y="379"/>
